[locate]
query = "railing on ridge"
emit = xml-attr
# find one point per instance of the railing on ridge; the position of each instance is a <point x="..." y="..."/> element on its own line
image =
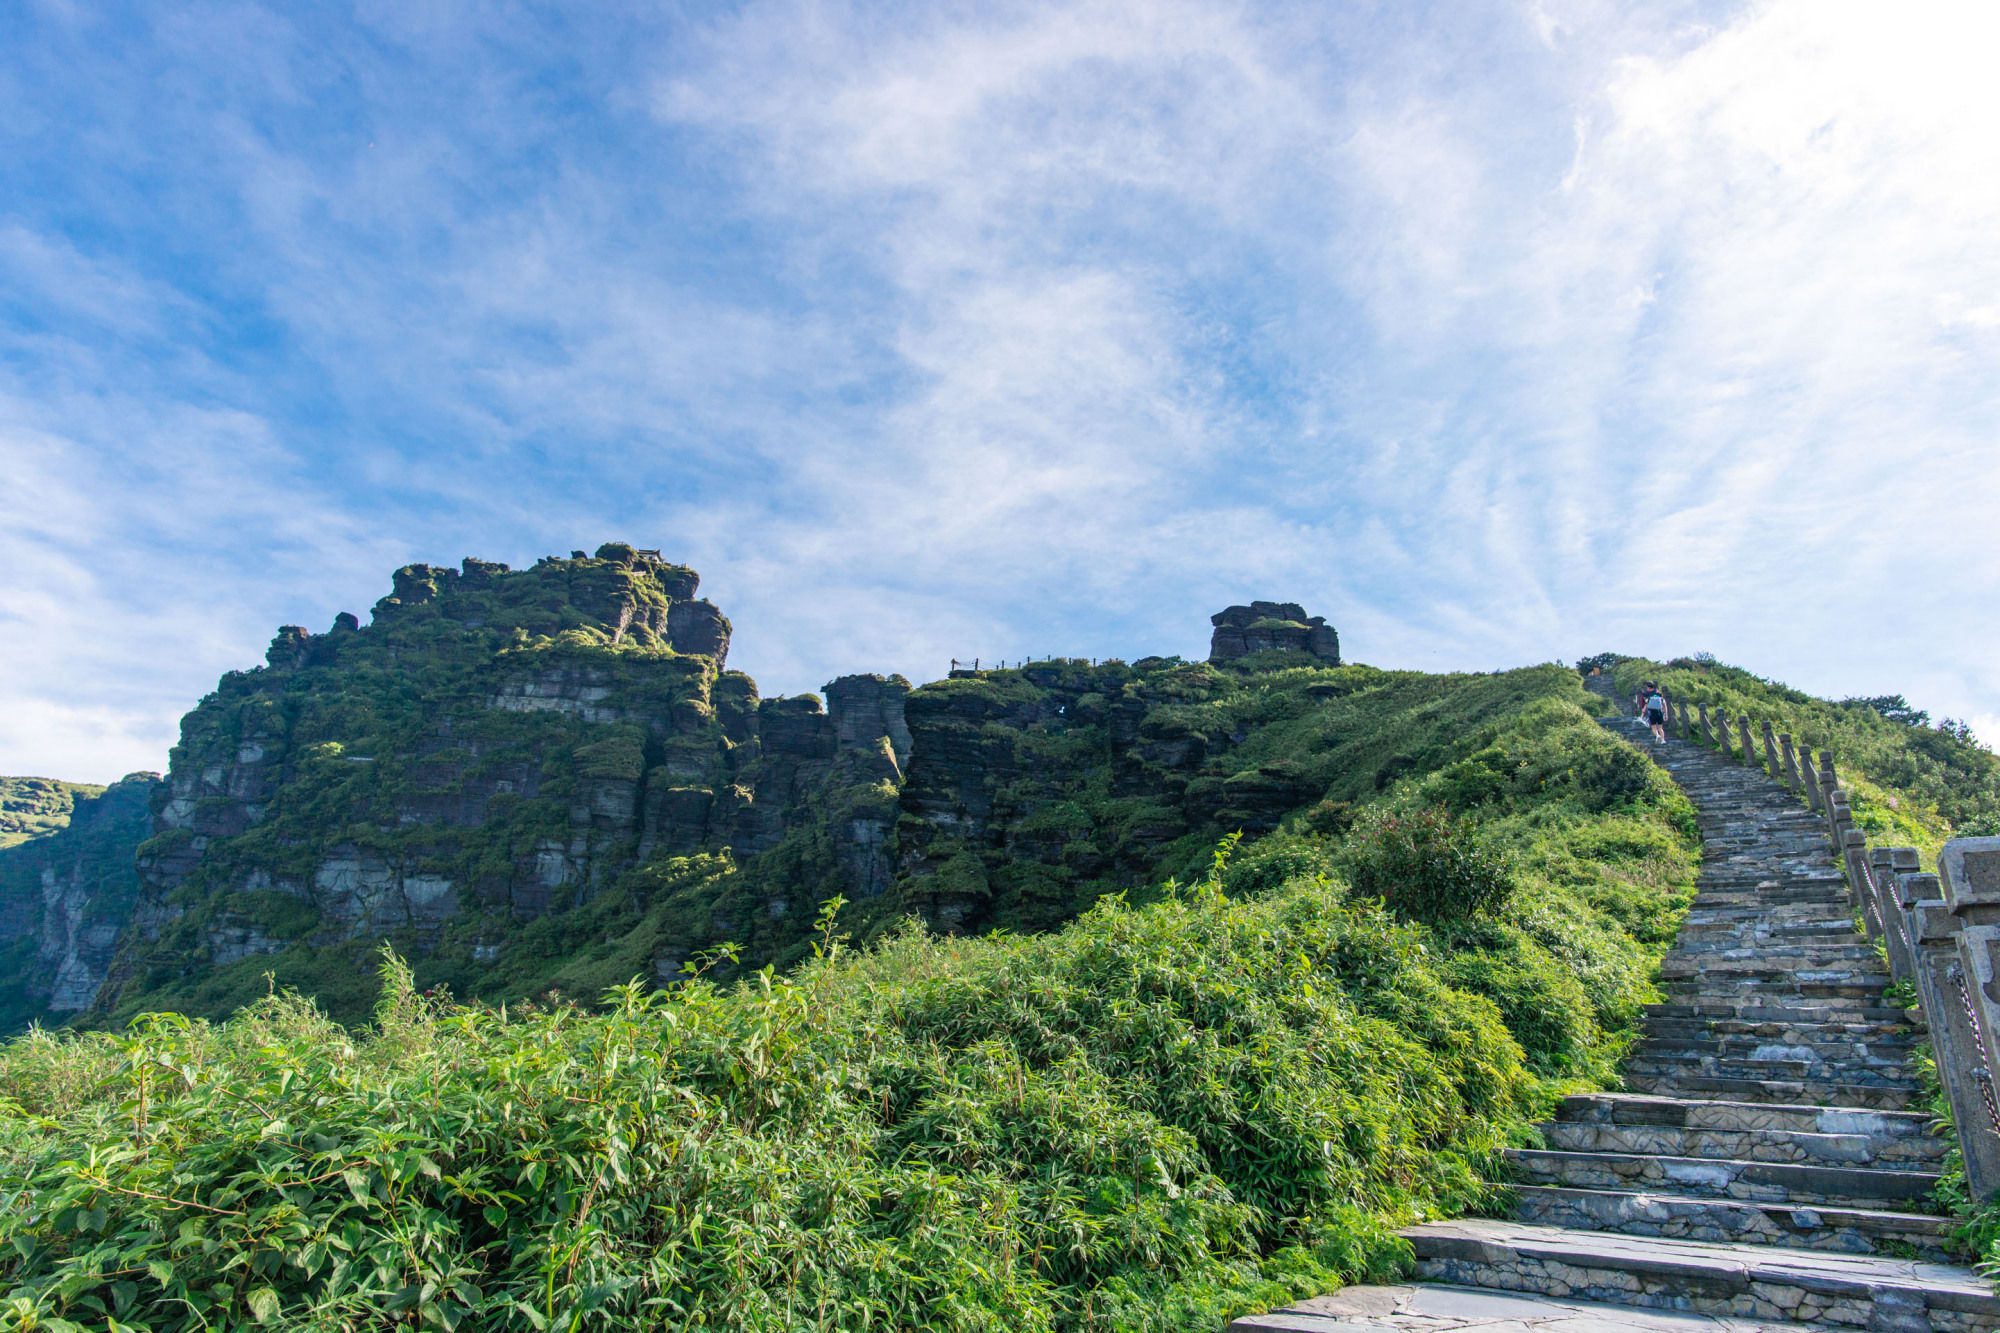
<point x="1940" y="931"/>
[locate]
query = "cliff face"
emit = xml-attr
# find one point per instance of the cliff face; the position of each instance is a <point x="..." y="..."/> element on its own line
<point x="65" y="897"/>
<point x="497" y="746"/>
<point x="547" y="779"/>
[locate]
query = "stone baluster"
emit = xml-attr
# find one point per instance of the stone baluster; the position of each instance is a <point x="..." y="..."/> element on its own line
<point x="1790" y="777"/>
<point x="1956" y="1031"/>
<point x="1827" y="779"/>
<point x="1839" y="818"/>
<point x="1969" y="871"/>
<point x="1707" y="727"/>
<point x="1743" y="734"/>
<point x="1899" y="931"/>
<point x="1771" y="764"/>
<point x="1853" y="845"/>
<point x="1815" y="799"/>
<point x="1887" y="867"/>
<point x="1722" y="734"/>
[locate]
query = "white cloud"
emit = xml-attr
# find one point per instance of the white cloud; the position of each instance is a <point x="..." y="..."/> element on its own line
<point x="1496" y="334"/>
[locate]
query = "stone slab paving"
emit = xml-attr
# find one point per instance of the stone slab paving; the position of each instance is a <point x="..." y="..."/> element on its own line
<point x="1441" y="1308"/>
<point x="1770" y="1161"/>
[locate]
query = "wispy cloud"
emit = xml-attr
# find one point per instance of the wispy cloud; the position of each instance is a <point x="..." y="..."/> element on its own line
<point x="1496" y="333"/>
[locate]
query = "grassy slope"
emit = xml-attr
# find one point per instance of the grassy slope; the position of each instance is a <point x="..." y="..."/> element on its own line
<point x="1150" y="1118"/>
<point x="36" y="807"/>
<point x="1944" y="786"/>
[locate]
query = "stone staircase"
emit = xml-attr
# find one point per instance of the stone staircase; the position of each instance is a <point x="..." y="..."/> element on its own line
<point x="1770" y="1161"/>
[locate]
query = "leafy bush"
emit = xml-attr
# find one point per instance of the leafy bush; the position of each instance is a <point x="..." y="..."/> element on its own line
<point x="1425" y="865"/>
<point x="1156" y="1118"/>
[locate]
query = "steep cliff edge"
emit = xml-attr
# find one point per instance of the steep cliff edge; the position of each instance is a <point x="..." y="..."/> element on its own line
<point x="497" y="747"/>
<point x="33" y="808"/>
<point x="1033" y="792"/>
<point x="547" y="779"/>
<point x="66" y="893"/>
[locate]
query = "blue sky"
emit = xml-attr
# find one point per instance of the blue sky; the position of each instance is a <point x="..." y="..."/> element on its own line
<point x="1494" y="332"/>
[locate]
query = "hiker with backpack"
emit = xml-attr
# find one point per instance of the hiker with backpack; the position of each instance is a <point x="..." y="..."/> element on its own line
<point x="1656" y="712"/>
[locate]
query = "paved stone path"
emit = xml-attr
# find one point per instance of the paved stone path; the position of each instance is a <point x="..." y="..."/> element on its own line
<point x="1769" y="1162"/>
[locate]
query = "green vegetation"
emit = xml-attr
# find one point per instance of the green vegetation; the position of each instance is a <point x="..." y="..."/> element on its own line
<point x="87" y="862"/>
<point x="1183" y="1104"/>
<point x="36" y="807"/>
<point x="1912" y="784"/>
<point x="1425" y="866"/>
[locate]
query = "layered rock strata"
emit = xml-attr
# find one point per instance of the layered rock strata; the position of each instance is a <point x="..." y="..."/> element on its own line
<point x="1263" y="627"/>
<point x="65" y="897"/>
<point x="495" y="746"/>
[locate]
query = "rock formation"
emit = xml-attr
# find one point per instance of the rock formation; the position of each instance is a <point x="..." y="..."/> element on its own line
<point x="1264" y="626"/>
<point x="548" y="777"/>
<point x="65" y="898"/>
<point x="497" y="747"/>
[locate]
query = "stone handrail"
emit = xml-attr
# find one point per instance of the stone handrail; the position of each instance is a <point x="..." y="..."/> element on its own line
<point x="1941" y="931"/>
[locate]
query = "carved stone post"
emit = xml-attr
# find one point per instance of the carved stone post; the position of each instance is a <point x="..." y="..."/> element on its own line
<point x="1839" y="818"/>
<point x="1707" y="727"/>
<point x="1879" y="895"/>
<point x="1827" y="781"/>
<point x="1771" y="764"/>
<point x="1743" y="734"/>
<point x="1815" y="799"/>
<point x="1969" y="873"/>
<point x="1790" y="777"/>
<point x="1956" y="1043"/>
<point x="1853" y="846"/>
<point x="1887" y="868"/>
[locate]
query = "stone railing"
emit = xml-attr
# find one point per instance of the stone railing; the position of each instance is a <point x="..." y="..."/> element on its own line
<point x="1941" y="931"/>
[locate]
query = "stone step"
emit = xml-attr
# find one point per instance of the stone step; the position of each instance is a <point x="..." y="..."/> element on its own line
<point x="1435" y="1307"/>
<point x="1843" y="963"/>
<point x="1771" y="1071"/>
<point x="1895" y="1034"/>
<point x="1749" y="931"/>
<point x="1775" y="957"/>
<point x="1880" y="1056"/>
<point x="1737" y="1221"/>
<point x="1626" y="1108"/>
<point x="1747" y="1281"/>
<point x="1862" y="988"/>
<point x="1778" y="1091"/>
<point x="1705" y="1177"/>
<point x="1912" y="1152"/>
<point x="1815" y="1012"/>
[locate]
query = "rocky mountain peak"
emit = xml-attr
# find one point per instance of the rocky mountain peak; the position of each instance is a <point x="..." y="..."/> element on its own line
<point x="1263" y="626"/>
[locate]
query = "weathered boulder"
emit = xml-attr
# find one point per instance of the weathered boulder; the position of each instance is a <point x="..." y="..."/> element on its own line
<point x="1263" y="626"/>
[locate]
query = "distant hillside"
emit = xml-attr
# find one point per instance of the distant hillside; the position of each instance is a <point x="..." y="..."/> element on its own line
<point x="36" y="807"/>
<point x="65" y="898"/>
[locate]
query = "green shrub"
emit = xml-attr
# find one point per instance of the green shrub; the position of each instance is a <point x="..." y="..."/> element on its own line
<point x="1154" y="1119"/>
<point x="1425" y="866"/>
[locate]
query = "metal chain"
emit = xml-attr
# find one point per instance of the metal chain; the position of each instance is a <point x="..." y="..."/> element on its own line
<point x="1980" y="1074"/>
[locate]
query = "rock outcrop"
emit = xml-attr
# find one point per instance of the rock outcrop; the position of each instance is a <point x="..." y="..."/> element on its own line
<point x="548" y="777"/>
<point x="494" y="748"/>
<point x="1264" y="626"/>
<point x="65" y="898"/>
